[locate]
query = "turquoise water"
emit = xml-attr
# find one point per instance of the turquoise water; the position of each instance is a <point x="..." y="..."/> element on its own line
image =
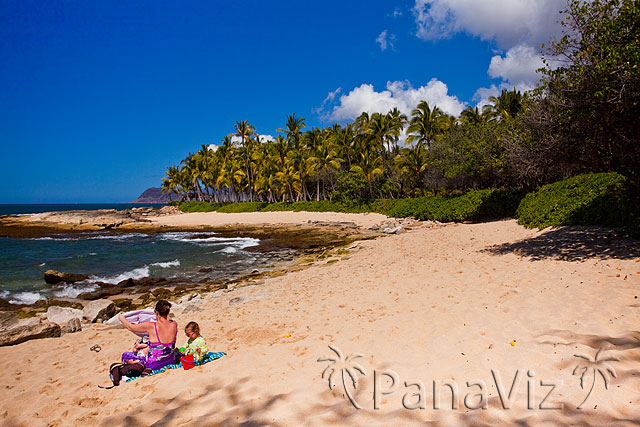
<point x="113" y="257"/>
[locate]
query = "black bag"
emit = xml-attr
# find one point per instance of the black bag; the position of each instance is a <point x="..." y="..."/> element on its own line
<point x="119" y="370"/>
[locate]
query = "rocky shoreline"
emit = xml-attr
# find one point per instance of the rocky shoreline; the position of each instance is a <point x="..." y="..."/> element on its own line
<point x="296" y="246"/>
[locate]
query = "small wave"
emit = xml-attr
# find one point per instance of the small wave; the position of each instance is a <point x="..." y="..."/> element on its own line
<point x="134" y="274"/>
<point x="191" y="237"/>
<point x="116" y="236"/>
<point x="70" y="291"/>
<point x="228" y="250"/>
<point x="25" y="298"/>
<point x="84" y="236"/>
<point x="174" y="263"/>
<point x="43" y="264"/>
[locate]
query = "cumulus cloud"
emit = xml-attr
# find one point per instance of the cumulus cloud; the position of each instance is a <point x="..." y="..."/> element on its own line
<point x="399" y="94"/>
<point x="508" y="22"/>
<point x="518" y="67"/>
<point x="385" y="40"/>
<point x="518" y="27"/>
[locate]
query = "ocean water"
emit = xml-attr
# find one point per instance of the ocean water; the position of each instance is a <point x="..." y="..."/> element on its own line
<point x="113" y="257"/>
<point x="16" y="209"/>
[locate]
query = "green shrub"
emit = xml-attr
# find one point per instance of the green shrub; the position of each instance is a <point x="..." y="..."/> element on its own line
<point x="195" y="206"/>
<point x="589" y="199"/>
<point x="242" y="207"/>
<point x="474" y="205"/>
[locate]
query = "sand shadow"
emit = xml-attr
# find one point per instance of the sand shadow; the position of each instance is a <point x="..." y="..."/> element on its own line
<point x="574" y="243"/>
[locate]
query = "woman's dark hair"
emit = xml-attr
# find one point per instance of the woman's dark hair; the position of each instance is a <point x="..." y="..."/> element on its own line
<point x="193" y="326"/>
<point x="163" y="307"/>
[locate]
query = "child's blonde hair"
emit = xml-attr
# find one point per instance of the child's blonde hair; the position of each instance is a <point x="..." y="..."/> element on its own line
<point x="193" y="326"/>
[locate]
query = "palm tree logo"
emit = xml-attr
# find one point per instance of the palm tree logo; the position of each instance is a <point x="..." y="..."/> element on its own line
<point x="595" y="366"/>
<point x="347" y="368"/>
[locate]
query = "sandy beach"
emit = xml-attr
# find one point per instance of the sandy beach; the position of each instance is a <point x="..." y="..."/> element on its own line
<point x="472" y="305"/>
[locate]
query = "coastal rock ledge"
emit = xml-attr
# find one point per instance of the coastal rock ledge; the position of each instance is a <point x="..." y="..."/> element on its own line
<point x="53" y="277"/>
<point x="14" y="331"/>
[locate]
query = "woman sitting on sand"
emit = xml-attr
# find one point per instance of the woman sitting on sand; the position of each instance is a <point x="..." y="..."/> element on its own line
<point x="164" y="331"/>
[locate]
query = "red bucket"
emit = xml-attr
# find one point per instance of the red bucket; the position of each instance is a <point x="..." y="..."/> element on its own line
<point x="188" y="362"/>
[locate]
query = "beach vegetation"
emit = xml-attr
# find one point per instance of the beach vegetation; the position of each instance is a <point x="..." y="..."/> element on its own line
<point x="581" y="119"/>
<point x="587" y="199"/>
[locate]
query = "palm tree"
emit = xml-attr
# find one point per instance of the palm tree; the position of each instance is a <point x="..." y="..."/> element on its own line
<point x="507" y="105"/>
<point x="171" y="182"/>
<point x="369" y="167"/>
<point x="412" y="163"/>
<point x="425" y="124"/>
<point x="473" y="115"/>
<point x="324" y="159"/>
<point x="245" y="131"/>
<point x="294" y="130"/>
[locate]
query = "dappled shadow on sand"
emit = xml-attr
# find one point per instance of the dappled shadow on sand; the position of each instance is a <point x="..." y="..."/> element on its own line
<point x="238" y="404"/>
<point x="572" y="244"/>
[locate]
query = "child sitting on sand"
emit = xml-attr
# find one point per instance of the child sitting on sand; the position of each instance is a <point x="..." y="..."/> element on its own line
<point x="141" y="347"/>
<point x="195" y="343"/>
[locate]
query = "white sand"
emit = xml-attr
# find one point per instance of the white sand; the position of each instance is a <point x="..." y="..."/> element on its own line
<point x="431" y="304"/>
<point x="215" y="218"/>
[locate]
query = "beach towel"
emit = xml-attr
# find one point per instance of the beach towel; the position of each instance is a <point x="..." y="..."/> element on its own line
<point x="140" y="316"/>
<point x="211" y="356"/>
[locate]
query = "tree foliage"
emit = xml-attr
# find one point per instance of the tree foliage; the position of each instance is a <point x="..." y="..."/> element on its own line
<point x="584" y="116"/>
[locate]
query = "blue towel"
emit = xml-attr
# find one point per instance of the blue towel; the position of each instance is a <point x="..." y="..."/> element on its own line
<point x="211" y="356"/>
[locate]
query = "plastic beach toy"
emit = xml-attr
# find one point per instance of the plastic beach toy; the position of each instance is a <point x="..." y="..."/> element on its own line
<point x="188" y="362"/>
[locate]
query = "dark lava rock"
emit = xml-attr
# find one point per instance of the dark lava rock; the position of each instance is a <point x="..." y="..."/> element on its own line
<point x="184" y="287"/>
<point x="123" y="303"/>
<point x="53" y="277"/>
<point x="6" y="305"/>
<point x="206" y="270"/>
<point x="152" y="281"/>
<point x="101" y="293"/>
<point x="161" y="293"/>
<point x="46" y="303"/>
<point x="127" y="283"/>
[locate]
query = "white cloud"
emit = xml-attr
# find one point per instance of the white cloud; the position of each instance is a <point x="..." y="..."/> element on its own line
<point x="385" y="40"/>
<point x="382" y="40"/>
<point x="508" y="22"/>
<point x="518" y="67"/>
<point x="517" y="26"/>
<point x="399" y="94"/>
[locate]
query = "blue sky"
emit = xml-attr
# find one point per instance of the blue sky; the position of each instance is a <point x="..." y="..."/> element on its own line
<point x="97" y="99"/>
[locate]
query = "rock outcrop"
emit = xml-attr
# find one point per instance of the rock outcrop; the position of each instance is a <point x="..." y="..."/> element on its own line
<point x="54" y="277"/>
<point x="27" y="329"/>
<point x="72" y="325"/>
<point x="99" y="310"/>
<point x="62" y="315"/>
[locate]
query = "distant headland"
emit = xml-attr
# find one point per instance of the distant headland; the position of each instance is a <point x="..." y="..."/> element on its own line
<point x="155" y="195"/>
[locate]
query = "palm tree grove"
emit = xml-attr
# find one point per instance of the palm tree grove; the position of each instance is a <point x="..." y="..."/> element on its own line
<point x="581" y="119"/>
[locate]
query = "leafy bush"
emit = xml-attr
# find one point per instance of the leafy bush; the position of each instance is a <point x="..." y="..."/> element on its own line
<point x="195" y="206"/>
<point x="242" y="207"/>
<point x="474" y="205"/>
<point x="588" y="199"/>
